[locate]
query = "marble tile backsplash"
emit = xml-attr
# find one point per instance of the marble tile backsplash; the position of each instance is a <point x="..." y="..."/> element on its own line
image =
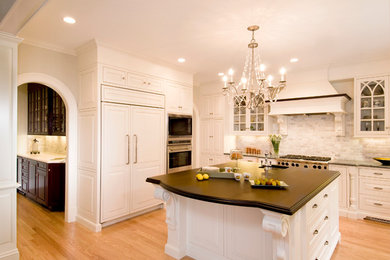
<point x="49" y="144"/>
<point x="315" y="135"/>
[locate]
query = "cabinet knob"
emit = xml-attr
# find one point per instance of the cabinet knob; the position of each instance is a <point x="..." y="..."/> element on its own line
<point x="326" y="218"/>
<point x="378" y="204"/>
<point x="149" y="83"/>
<point x="315" y="206"/>
<point x="315" y="232"/>
<point x="326" y="243"/>
<point x="326" y="195"/>
<point x="123" y="77"/>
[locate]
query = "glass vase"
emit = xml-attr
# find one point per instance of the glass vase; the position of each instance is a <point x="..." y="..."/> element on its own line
<point x="276" y="148"/>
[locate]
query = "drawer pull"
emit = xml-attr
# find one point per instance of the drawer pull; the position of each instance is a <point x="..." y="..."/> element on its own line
<point x="315" y="232"/>
<point x="326" y="218"/>
<point x="378" y="204"/>
<point x="378" y="188"/>
<point x="326" y="243"/>
<point x="326" y="195"/>
<point x="315" y="206"/>
<point x="378" y="173"/>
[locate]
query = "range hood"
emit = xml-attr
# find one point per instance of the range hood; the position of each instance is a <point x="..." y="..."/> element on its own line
<point x="320" y="98"/>
<point x="334" y="103"/>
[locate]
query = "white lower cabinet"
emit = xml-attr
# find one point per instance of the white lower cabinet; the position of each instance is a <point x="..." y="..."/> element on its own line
<point x="132" y="150"/>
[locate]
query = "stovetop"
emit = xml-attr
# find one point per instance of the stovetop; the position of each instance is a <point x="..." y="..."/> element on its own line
<point x="305" y="158"/>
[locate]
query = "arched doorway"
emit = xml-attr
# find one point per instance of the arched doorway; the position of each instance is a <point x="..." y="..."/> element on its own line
<point x="71" y="135"/>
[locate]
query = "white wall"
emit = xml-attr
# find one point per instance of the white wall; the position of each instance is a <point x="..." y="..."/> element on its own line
<point x="58" y="65"/>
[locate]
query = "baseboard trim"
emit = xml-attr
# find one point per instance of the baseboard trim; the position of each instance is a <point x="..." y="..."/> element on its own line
<point x="95" y="227"/>
<point x="132" y="215"/>
<point x="10" y="255"/>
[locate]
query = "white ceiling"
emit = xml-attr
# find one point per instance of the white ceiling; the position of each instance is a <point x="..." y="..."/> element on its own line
<point x="212" y="35"/>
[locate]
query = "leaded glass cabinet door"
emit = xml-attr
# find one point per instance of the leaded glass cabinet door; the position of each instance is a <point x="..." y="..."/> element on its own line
<point x="371" y="107"/>
<point x="239" y="114"/>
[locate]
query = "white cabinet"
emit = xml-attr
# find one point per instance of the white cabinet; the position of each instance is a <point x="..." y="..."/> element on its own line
<point x="212" y="142"/>
<point x="178" y="98"/>
<point x="371" y="106"/>
<point x="132" y="150"/>
<point x="122" y="78"/>
<point x="374" y="192"/>
<point x="248" y="121"/>
<point x="212" y="106"/>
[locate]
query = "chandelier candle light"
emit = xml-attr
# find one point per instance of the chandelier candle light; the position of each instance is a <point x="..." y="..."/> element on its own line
<point x="254" y="88"/>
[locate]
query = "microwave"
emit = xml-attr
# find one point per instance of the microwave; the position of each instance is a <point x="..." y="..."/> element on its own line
<point x="179" y="126"/>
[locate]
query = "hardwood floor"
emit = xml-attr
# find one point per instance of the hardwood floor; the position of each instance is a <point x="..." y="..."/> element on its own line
<point x="44" y="235"/>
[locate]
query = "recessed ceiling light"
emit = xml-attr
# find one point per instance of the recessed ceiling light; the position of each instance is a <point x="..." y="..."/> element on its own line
<point x="292" y="60"/>
<point x="181" y="60"/>
<point x="69" y="20"/>
<point x="221" y="74"/>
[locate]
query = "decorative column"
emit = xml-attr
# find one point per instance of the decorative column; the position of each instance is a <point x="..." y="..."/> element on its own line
<point x="8" y="117"/>
<point x="278" y="225"/>
<point x="176" y="221"/>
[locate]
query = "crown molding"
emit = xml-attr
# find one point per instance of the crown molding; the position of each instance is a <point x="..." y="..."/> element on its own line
<point x="49" y="46"/>
<point x="10" y="37"/>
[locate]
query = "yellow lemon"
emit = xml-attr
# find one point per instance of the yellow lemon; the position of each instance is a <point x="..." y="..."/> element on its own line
<point x="200" y="177"/>
<point x="257" y="182"/>
<point x="205" y="176"/>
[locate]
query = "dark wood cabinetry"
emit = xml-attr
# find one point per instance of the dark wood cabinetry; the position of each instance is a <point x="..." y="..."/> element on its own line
<point x="46" y="111"/>
<point x="42" y="182"/>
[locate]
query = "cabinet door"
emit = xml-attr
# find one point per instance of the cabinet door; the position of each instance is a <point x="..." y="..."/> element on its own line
<point x="42" y="186"/>
<point x="172" y="97"/>
<point x="217" y="137"/>
<point x="205" y="108"/>
<point x="371" y="107"/>
<point x="114" y="76"/>
<point x="343" y="185"/>
<point x="32" y="171"/>
<point x="115" y="177"/>
<point x="185" y="100"/>
<point x="206" y="136"/>
<point x="148" y="153"/>
<point x="218" y="106"/>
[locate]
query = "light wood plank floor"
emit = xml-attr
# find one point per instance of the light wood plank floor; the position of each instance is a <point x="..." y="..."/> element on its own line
<point x="44" y="235"/>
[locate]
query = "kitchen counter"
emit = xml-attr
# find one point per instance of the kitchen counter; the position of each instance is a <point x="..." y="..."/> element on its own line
<point x="227" y="219"/>
<point x="45" y="157"/>
<point x="304" y="184"/>
<point x="357" y="163"/>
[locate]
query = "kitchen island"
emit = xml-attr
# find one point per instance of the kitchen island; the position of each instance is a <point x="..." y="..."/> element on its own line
<point x="226" y="219"/>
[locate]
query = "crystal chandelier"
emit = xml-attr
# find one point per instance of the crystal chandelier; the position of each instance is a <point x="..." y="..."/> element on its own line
<point x="254" y="88"/>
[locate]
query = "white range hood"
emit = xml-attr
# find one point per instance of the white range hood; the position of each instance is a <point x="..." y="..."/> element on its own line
<point x="334" y="103"/>
<point x="319" y="98"/>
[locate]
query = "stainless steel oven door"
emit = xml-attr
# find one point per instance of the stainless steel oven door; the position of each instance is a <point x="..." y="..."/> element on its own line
<point x="179" y="158"/>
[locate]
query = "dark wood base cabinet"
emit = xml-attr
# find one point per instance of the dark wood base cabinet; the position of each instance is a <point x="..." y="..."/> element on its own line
<point x="42" y="182"/>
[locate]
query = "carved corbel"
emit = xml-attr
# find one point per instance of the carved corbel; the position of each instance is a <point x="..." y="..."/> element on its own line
<point x="170" y="202"/>
<point x="278" y="225"/>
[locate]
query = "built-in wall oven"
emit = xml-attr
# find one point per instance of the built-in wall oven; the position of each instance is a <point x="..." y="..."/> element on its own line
<point x="179" y="154"/>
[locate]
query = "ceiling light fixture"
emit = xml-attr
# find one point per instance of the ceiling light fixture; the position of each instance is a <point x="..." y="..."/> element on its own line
<point x="69" y="20"/>
<point x="293" y="60"/>
<point x="254" y="88"/>
<point x="181" y="60"/>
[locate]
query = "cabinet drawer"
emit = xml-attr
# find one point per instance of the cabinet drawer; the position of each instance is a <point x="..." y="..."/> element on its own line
<point x="144" y="83"/>
<point x="374" y="172"/>
<point x="42" y="165"/>
<point x="374" y="204"/>
<point x="131" y="97"/>
<point x="317" y="204"/>
<point x="114" y="76"/>
<point x="376" y="187"/>
<point x="318" y="228"/>
<point x="321" y="250"/>
<point x="25" y="173"/>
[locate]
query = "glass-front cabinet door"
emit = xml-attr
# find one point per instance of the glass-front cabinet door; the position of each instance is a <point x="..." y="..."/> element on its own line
<point x="371" y="106"/>
<point x="248" y="121"/>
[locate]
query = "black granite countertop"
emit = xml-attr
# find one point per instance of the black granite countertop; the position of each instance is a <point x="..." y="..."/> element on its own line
<point x="304" y="184"/>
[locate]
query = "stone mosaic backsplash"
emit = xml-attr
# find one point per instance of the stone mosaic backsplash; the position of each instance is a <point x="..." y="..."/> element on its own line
<point x="48" y="144"/>
<point x="315" y="135"/>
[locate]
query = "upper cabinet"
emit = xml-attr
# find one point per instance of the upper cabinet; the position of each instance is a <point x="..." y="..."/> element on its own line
<point x="122" y="78"/>
<point x="245" y="120"/>
<point x="371" y="106"/>
<point x="46" y="111"/>
<point x="212" y="106"/>
<point x="178" y="98"/>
